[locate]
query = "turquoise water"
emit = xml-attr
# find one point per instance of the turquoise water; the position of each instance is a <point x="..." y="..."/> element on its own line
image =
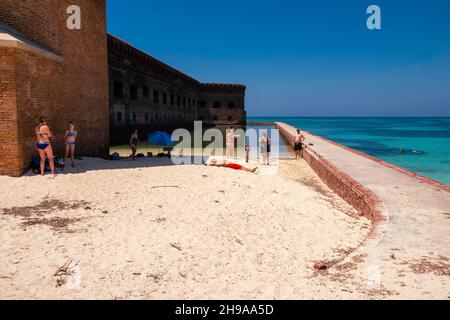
<point x="425" y="141"/>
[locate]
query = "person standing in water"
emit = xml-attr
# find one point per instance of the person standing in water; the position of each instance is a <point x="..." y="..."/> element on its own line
<point x="43" y="146"/>
<point x="230" y="137"/>
<point x="264" y="148"/>
<point x="134" y="142"/>
<point x="299" y="139"/>
<point x="70" y="136"/>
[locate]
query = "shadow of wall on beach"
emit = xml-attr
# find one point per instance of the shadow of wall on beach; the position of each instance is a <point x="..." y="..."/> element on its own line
<point x="94" y="164"/>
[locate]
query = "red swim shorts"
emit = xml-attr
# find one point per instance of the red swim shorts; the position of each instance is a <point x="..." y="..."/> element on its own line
<point x="234" y="166"/>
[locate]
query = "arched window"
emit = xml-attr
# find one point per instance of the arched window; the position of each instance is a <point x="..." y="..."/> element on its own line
<point x="118" y="89"/>
<point x="217" y="104"/>
<point x="156" y="96"/>
<point x="145" y="92"/>
<point x="231" y="104"/>
<point x="133" y="92"/>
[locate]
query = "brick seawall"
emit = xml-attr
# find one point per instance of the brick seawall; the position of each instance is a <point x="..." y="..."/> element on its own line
<point x="361" y="198"/>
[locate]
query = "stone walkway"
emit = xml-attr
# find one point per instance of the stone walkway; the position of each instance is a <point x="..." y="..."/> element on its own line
<point x="409" y="259"/>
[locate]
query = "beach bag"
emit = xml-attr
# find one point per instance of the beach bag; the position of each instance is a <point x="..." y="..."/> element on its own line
<point x="36" y="166"/>
<point x="59" y="163"/>
<point x="115" y="156"/>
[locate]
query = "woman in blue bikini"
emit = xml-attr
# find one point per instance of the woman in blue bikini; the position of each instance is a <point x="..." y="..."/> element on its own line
<point x="70" y="137"/>
<point x="43" y="134"/>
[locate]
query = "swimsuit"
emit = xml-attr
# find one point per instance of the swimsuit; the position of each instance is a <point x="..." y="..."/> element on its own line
<point x="71" y="134"/>
<point x="42" y="145"/>
<point x="234" y="166"/>
<point x="298" y="146"/>
<point x="134" y="142"/>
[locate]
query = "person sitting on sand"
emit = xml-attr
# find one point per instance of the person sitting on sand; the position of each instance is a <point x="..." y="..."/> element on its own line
<point x="299" y="139"/>
<point x="231" y="165"/>
<point x="134" y="142"/>
<point x="70" y="137"/>
<point x="43" y="146"/>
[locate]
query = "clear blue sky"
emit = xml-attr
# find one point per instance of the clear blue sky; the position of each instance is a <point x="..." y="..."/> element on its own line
<point x="303" y="58"/>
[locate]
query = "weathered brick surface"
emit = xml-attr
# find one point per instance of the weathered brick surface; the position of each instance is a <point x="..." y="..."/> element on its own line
<point x="78" y="89"/>
<point x="9" y="143"/>
<point x="359" y="197"/>
<point x="75" y="89"/>
<point x="181" y="99"/>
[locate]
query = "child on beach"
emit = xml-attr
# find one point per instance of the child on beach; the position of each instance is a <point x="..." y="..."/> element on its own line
<point x="70" y="137"/>
<point x="299" y="139"/>
<point x="134" y="142"/>
<point x="43" y="146"/>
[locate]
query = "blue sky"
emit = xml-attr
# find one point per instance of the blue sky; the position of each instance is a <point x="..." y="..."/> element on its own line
<point x="303" y="58"/>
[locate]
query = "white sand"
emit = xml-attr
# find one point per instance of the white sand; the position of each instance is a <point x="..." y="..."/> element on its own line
<point x="152" y="231"/>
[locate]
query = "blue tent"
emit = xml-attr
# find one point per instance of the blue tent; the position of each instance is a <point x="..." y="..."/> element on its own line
<point x="160" y="138"/>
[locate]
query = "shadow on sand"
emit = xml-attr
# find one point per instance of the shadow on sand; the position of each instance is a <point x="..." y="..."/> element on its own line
<point x="93" y="164"/>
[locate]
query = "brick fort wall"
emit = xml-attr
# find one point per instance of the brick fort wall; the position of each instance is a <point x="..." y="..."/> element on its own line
<point x="148" y="95"/>
<point x="73" y="89"/>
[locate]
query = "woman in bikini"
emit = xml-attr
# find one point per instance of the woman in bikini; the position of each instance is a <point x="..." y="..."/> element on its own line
<point x="134" y="142"/>
<point x="70" y="136"/>
<point x="231" y="165"/>
<point x="43" y="146"/>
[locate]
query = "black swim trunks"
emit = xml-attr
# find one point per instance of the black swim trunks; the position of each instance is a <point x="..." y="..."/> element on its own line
<point x="298" y="147"/>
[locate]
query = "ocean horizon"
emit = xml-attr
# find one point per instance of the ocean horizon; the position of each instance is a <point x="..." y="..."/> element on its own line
<point x="418" y="144"/>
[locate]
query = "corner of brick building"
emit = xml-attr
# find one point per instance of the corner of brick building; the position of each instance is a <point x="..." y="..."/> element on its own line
<point x="74" y="89"/>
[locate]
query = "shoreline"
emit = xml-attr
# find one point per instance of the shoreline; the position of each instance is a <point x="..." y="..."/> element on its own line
<point x="245" y="238"/>
<point x="405" y="209"/>
<point x="423" y="178"/>
<point x="216" y="233"/>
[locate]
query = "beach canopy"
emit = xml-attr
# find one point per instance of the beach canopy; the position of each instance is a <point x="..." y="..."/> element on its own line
<point x="160" y="138"/>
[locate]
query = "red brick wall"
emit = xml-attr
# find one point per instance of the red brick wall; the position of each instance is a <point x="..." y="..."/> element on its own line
<point x="75" y="89"/>
<point x="39" y="20"/>
<point x="9" y="142"/>
<point x="36" y="95"/>
<point x="84" y="86"/>
<point x="223" y="93"/>
<point x="343" y="185"/>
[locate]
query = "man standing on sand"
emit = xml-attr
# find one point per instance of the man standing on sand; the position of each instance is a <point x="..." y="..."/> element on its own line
<point x="231" y="136"/>
<point x="299" y="139"/>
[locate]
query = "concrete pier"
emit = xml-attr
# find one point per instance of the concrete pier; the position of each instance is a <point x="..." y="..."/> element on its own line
<point x="411" y="221"/>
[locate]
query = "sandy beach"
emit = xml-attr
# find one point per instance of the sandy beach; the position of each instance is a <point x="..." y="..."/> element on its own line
<point x="150" y="230"/>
